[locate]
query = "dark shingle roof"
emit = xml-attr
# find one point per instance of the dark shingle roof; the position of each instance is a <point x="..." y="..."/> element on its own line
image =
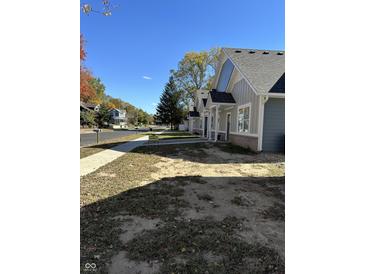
<point x="87" y="106"/>
<point x="262" y="68"/>
<point x="194" y="113"/>
<point x="205" y="101"/>
<point x="221" y="97"/>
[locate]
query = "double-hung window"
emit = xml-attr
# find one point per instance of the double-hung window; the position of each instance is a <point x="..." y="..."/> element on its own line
<point x="244" y="118"/>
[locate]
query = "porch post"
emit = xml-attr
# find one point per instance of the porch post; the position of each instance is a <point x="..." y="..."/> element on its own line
<point x="209" y="125"/>
<point x="216" y="123"/>
<point x="203" y="125"/>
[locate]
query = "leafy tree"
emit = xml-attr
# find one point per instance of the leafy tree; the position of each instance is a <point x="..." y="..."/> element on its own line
<point x="119" y="104"/>
<point x="99" y="89"/>
<point x="143" y="117"/>
<point x="87" y="117"/>
<point x="103" y="115"/>
<point x="87" y="91"/>
<point x="170" y="108"/>
<point x="195" y="71"/>
<point x="82" y="49"/>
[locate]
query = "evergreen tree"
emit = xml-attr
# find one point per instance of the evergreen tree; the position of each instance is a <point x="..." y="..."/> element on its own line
<point x="103" y="115"/>
<point x="170" y="108"/>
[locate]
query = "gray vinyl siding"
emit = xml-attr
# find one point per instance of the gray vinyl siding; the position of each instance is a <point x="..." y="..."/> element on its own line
<point x="243" y="94"/>
<point x="274" y="125"/>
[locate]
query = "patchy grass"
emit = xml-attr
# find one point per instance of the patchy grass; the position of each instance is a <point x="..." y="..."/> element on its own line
<point x="205" y="197"/>
<point x="231" y="148"/>
<point x="185" y="150"/>
<point x="187" y="235"/>
<point x="241" y="202"/>
<point x="190" y="240"/>
<point x="160" y="201"/>
<point x="90" y="150"/>
<point x="275" y="212"/>
<point x="120" y="175"/>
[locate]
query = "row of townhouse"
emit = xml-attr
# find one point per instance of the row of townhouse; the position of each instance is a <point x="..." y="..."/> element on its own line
<point x="247" y="103"/>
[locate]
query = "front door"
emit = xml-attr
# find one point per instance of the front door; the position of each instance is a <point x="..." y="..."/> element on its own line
<point x="228" y="126"/>
<point x="205" y="126"/>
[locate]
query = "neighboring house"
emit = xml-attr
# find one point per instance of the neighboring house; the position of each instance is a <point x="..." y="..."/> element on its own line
<point x="195" y="121"/>
<point x="88" y="106"/>
<point x="247" y="103"/>
<point x="118" y="117"/>
<point x="84" y="107"/>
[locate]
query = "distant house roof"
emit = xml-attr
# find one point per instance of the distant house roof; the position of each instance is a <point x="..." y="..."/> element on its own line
<point x="119" y="110"/>
<point x="205" y="101"/>
<point x="87" y="106"/>
<point x="194" y="113"/>
<point x="264" y="69"/>
<point x="221" y="97"/>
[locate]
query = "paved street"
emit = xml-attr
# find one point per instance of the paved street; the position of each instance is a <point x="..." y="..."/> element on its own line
<point x="90" y="138"/>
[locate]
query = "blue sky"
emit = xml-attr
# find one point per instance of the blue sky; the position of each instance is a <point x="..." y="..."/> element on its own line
<point x="149" y="37"/>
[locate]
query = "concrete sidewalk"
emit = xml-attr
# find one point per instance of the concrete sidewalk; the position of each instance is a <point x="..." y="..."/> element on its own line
<point x="95" y="161"/>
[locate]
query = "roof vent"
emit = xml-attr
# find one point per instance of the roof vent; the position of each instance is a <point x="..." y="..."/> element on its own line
<point x="237" y="51"/>
<point x="280" y="53"/>
<point x="265" y="52"/>
<point x="251" y="51"/>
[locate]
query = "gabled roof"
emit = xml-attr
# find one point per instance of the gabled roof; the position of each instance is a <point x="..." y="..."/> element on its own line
<point x="87" y="106"/>
<point x="221" y="97"/>
<point x="262" y="68"/>
<point x="119" y="110"/>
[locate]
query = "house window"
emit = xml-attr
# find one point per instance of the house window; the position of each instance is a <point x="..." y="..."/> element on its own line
<point x="225" y="75"/>
<point x="244" y="119"/>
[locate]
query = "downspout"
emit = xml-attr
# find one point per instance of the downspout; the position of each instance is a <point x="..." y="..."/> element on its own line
<point x="262" y="100"/>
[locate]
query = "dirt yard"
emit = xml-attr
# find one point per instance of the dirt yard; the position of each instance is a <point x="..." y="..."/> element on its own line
<point x="197" y="208"/>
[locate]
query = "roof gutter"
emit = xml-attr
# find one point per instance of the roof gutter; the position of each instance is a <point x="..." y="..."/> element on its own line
<point x="275" y="95"/>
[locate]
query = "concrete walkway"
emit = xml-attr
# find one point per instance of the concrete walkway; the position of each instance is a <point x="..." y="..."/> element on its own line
<point x="95" y="161"/>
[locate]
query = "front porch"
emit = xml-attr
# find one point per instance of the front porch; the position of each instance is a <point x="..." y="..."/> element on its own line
<point x="216" y="122"/>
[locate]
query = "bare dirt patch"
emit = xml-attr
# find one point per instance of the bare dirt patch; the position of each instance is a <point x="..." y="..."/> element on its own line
<point x="185" y="209"/>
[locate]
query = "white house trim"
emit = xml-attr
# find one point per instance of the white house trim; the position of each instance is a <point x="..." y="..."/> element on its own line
<point x="262" y="101"/>
<point x="275" y="95"/>
<point x="249" y="118"/>
<point x="244" y="134"/>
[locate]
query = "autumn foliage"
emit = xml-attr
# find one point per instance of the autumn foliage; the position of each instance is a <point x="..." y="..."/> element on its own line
<point x="87" y="91"/>
<point x="82" y="48"/>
